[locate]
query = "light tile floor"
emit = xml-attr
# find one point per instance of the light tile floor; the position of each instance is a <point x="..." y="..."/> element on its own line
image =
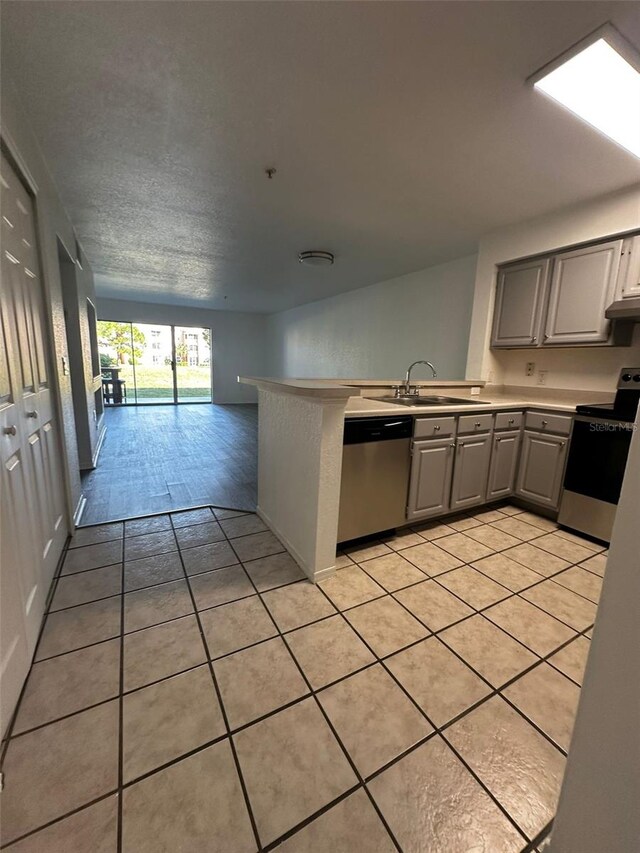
<point x="192" y="691"/>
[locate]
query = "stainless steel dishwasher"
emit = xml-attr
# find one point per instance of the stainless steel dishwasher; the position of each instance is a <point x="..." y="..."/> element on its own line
<point x="375" y="475"/>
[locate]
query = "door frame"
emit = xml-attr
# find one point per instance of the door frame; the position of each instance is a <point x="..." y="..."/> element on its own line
<point x="174" y="365"/>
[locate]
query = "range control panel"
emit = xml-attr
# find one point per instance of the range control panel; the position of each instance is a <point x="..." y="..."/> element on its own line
<point x="629" y="378"/>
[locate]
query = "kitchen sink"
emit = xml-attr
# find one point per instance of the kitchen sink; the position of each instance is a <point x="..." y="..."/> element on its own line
<point x="413" y="400"/>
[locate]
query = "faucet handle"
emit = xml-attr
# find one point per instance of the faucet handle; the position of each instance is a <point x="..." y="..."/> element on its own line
<point x="396" y="390"/>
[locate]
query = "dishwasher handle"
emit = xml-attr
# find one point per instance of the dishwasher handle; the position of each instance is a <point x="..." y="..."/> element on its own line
<point x="363" y="430"/>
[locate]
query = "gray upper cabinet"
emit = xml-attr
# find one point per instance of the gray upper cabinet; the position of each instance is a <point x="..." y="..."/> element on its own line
<point x="470" y="471"/>
<point x="541" y="468"/>
<point x="519" y="303"/>
<point x="430" y="483"/>
<point x="631" y="268"/>
<point x="504" y="464"/>
<point x="582" y="285"/>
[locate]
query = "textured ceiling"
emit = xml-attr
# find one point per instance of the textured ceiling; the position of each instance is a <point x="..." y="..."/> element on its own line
<point x="400" y="132"/>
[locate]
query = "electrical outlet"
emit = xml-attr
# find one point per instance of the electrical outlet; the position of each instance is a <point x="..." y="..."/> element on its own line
<point x="542" y="377"/>
<point x="531" y="368"/>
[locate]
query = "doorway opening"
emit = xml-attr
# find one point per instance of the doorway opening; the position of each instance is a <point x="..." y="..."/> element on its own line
<point x="151" y="364"/>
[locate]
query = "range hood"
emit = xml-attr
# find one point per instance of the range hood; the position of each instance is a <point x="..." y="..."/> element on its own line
<point x="624" y="309"/>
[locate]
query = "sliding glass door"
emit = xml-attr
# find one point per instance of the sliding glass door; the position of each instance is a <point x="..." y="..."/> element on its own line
<point x="146" y="363"/>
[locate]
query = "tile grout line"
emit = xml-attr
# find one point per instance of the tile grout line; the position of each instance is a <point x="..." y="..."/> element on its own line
<point x="223" y="711"/>
<point x="435" y="729"/>
<point x="377" y="659"/>
<point x="384" y="594"/>
<point x="495" y="691"/>
<point x="359" y="777"/>
<point x="432" y="634"/>
<point x="121" y="712"/>
<point x="511" y="594"/>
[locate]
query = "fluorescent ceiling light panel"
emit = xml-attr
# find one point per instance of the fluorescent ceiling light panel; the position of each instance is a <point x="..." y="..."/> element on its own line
<point x="600" y="86"/>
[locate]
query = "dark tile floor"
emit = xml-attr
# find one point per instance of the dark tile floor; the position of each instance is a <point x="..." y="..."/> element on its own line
<point x="192" y="691"/>
<point x="164" y="458"/>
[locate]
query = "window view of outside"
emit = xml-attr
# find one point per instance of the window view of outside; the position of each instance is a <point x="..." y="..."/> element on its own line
<point x="136" y="363"/>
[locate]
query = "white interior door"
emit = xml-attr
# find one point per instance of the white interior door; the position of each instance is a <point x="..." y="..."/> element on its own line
<point x="32" y="507"/>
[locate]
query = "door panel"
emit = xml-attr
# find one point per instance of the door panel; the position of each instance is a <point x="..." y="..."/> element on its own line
<point x="541" y="468"/>
<point x="504" y="464"/>
<point x="430" y="483"/>
<point x="519" y="302"/>
<point x="583" y="284"/>
<point x="631" y="281"/>
<point x="19" y="599"/>
<point x="32" y="507"/>
<point x="193" y="364"/>
<point x="471" y="470"/>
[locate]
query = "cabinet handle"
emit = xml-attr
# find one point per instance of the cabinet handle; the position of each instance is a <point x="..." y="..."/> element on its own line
<point x="544" y="423"/>
<point x="510" y="420"/>
<point x="436" y="428"/>
<point x="498" y="439"/>
<point x="32" y="414"/>
<point x="10" y="430"/>
<point x="477" y="423"/>
<point x="562" y="444"/>
<point x="452" y="445"/>
<point x="533" y="339"/>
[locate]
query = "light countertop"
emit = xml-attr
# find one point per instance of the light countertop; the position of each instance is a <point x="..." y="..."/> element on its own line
<point x="492" y="398"/>
<point x="488" y="402"/>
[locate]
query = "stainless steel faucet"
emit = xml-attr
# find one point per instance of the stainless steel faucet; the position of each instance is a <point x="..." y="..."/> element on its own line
<point x="406" y="388"/>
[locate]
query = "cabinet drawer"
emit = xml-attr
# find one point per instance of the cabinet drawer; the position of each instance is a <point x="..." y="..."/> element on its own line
<point x="434" y="427"/>
<point x="508" y="420"/>
<point x="544" y="422"/>
<point x="474" y="423"/>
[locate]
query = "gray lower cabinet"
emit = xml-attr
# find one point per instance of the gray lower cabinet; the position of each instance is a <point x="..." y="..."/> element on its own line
<point x="541" y="468"/>
<point x="470" y="471"/>
<point x="583" y="284"/>
<point x="430" y="483"/>
<point x="519" y="303"/>
<point x="504" y="464"/>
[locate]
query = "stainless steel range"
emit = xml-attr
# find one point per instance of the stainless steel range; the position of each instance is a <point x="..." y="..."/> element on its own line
<point x="597" y="459"/>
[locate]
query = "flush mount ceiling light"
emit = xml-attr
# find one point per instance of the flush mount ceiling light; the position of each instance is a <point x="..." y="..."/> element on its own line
<point x="599" y="80"/>
<point x="316" y="259"/>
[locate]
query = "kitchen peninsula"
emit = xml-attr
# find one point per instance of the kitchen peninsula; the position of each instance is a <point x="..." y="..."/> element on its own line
<point x="300" y="446"/>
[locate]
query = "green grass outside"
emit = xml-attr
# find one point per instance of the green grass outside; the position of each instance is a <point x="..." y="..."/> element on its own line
<point x="157" y="382"/>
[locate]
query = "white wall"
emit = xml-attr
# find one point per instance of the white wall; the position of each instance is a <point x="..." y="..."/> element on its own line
<point x="598" y="809"/>
<point x="377" y="331"/>
<point x="588" y="369"/>
<point x="238" y="340"/>
<point x="299" y="467"/>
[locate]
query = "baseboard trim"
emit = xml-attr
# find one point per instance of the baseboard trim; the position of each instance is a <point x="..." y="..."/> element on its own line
<point x="314" y="577"/>
<point x="103" y="433"/>
<point x="77" y="515"/>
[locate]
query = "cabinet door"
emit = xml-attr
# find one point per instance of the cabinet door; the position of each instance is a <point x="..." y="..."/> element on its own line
<point x="471" y="470"/>
<point x="631" y="280"/>
<point x="430" y="483"/>
<point x="519" y="303"/>
<point x="541" y="468"/>
<point x="582" y="286"/>
<point x="504" y="464"/>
